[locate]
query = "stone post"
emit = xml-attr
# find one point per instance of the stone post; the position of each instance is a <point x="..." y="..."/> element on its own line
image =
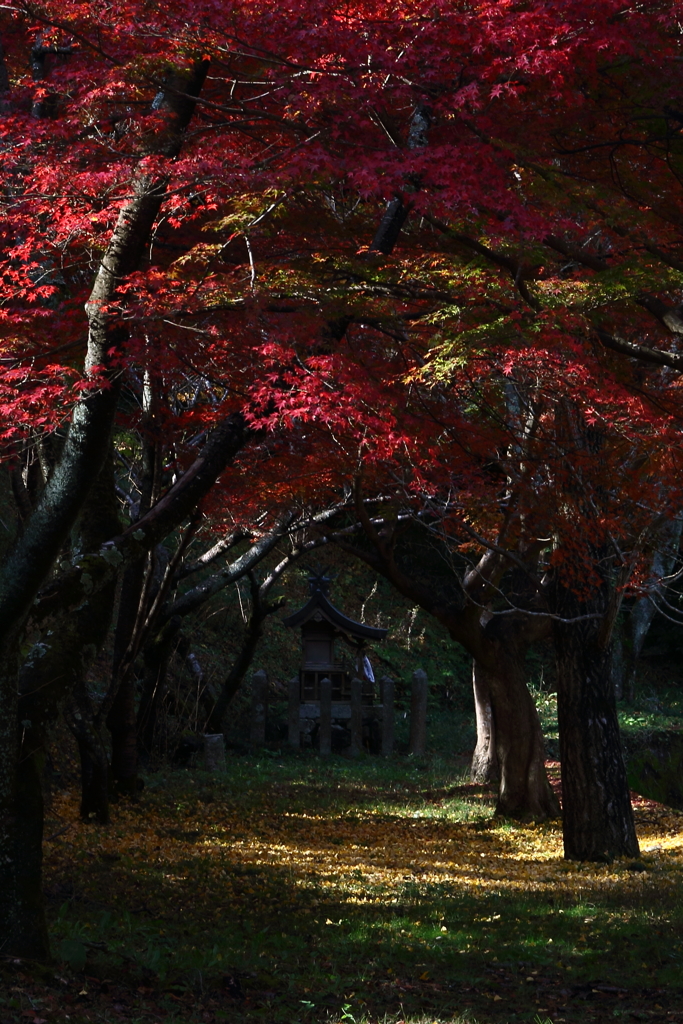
<point x="259" y="707"/>
<point x="356" y="717"/>
<point x="214" y="752"/>
<point x="325" y="728"/>
<point x="418" y="713"/>
<point x="293" y="721"/>
<point x="386" y="685"/>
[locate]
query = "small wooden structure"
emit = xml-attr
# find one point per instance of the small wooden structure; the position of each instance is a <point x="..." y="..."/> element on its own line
<point x="326" y="695"/>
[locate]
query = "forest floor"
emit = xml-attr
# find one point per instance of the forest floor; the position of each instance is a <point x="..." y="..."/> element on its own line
<point x="295" y="890"/>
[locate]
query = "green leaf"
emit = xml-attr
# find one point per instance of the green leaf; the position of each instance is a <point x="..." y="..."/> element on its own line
<point x="74" y="953"/>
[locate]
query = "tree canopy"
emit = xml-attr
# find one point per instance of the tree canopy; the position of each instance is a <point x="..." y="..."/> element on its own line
<point x="413" y="259"/>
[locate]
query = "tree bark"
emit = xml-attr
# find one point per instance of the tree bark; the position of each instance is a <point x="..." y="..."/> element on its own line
<point x="98" y="523"/>
<point x="485" y="767"/>
<point x="29" y="935"/>
<point x="122" y="716"/>
<point x="598" y="822"/>
<point x="95" y="779"/>
<point x="94" y="757"/>
<point x="156" y="655"/>
<point x="524" y="792"/>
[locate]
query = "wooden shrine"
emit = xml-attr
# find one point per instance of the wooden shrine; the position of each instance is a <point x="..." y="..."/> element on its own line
<point x="321" y="626"/>
<point x="326" y="696"/>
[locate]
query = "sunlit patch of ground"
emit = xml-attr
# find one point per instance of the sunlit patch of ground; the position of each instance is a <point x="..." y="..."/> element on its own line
<point x="374" y="895"/>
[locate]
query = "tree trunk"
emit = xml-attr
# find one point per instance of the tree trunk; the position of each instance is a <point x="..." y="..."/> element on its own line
<point x="618" y="661"/>
<point x="598" y="820"/>
<point x="122" y="716"/>
<point x="644" y="610"/>
<point x="157" y="655"/>
<point x="524" y="791"/>
<point x="30" y="936"/>
<point x="95" y="782"/>
<point x="497" y="642"/>
<point x="83" y="721"/>
<point x="259" y="612"/>
<point x="23" y="931"/>
<point x="639" y="622"/>
<point x="98" y="523"/>
<point x="484" y="767"/>
<point x="122" y="724"/>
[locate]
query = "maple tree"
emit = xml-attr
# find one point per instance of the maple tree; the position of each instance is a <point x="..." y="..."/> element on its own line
<point x="208" y="188"/>
<point x="568" y="443"/>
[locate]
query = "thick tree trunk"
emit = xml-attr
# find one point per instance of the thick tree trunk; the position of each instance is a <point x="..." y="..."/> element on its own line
<point x="55" y="667"/>
<point x="485" y="767"/>
<point x="98" y="523"/>
<point x="497" y="642"/>
<point x="524" y="791"/>
<point x="598" y="820"/>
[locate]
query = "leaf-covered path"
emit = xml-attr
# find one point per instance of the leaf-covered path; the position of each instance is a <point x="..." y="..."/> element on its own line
<point x="299" y="891"/>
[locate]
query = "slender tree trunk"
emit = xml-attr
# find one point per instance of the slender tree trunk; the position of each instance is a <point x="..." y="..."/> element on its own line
<point x="122" y="716"/>
<point x="22" y="921"/>
<point x="260" y="610"/>
<point x="95" y="781"/>
<point x="618" y="661"/>
<point x="98" y="524"/>
<point x="30" y="937"/>
<point x="644" y="610"/>
<point x="81" y="718"/>
<point x="639" y="622"/>
<point x="484" y="767"/>
<point x="598" y="820"/>
<point x="157" y="655"/>
<point x="237" y="672"/>
<point x="205" y="692"/>
<point x="122" y="724"/>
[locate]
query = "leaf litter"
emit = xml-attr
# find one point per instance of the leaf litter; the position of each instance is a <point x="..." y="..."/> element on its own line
<point x="285" y="892"/>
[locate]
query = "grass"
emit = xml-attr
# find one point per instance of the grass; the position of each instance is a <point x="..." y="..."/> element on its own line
<point x="651" y="710"/>
<point x="297" y="891"/>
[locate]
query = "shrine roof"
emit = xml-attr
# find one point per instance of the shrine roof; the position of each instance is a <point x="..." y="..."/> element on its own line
<point x="319" y="605"/>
